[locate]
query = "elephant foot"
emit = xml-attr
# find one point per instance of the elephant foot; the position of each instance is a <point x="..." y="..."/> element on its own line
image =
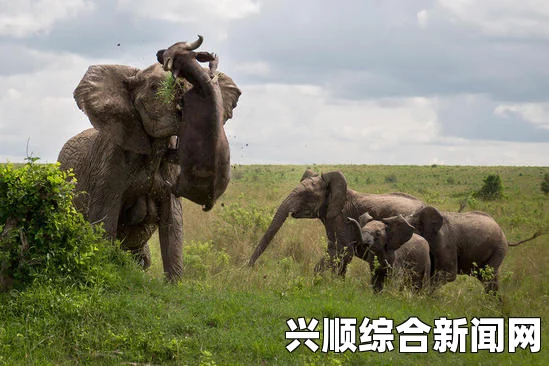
<point x="142" y="256"/>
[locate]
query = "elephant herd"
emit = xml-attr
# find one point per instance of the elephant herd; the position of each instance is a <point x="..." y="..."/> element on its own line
<point x="394" y="232"/>
<point x="144" y="153"/>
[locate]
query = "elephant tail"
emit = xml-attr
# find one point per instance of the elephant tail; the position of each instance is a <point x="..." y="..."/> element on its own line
<point x="536" y="234"/>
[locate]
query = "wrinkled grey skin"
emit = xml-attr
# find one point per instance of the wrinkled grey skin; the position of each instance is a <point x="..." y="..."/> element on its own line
<point x="125" y="168"/>
<point x="462" y="243"/>
<point x="395" y="245"/>
<point x="327" y="198"/>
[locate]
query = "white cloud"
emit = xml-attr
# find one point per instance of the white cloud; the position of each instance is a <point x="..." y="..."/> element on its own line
<point x="39" y="107"/>
<point x="422" y="18"/>
<point x="409" y="97"/>
<point x="23" y="18"/>
<point x="190" y="10"/>
<point x="500" y="18"/>
<point x="302" y="123"/>
<point x="255" y="68"/>
<point x="535" y="113"/>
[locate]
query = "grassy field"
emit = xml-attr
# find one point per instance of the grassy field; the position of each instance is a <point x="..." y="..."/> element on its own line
<point x="225" y="313"/>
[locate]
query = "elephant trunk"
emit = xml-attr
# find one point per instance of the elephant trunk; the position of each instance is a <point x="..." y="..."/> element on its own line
<point x="280" y="216"/>
<point x="356" y="231"/>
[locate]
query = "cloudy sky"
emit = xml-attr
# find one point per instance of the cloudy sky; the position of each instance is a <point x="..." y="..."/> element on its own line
<point x="461" y="82"/>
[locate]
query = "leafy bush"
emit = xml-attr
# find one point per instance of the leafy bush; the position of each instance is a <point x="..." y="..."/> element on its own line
<point x="202" y="258"/>
<point x="545" y="184"/>
<point x="253" y="217"/>
<point x="42" y="236"/>
<point x="492" y="188"/>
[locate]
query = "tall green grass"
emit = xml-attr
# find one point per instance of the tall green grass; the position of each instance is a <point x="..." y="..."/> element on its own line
<point x="223" y="312"/>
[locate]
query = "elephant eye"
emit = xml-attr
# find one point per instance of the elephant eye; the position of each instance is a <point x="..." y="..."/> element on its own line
<point x="155" y="87"/>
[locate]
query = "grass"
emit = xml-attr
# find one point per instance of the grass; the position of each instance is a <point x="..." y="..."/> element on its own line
<point x="225" y="313"/>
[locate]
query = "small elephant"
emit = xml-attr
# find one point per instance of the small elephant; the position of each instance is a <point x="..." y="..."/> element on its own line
<point x="128" y="170"/>
<point x="327" y="198"/>
<point x="394" y="244"/>
<point x="470" y="243"/>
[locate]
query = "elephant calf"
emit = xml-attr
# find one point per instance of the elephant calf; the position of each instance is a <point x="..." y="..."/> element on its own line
<point x="470" y="243"/>
<point x="394" y="244"/>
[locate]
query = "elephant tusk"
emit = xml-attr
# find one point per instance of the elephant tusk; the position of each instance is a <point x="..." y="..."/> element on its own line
<point x="169" y="64"/>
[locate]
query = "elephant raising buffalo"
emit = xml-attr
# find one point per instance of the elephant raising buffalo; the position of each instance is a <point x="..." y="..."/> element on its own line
<point x="470" y="243"/>
<point x="327" y="198"/>
<point x="129" y="172"/>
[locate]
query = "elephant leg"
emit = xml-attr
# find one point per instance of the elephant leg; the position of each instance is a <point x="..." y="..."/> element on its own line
<point x="345" y="257"/>
<point x="378" y="278"/>
<point x="134" y="239"/>
<point x="491" y="286"/>
<point x="339" y="257"/>
<point x="445" y="265"/>
<point x="105" y="209"/>
<point x="488" y="274"/>
<point x="321" y="265"/>
<point x="441" y="277"/>
<point x="171" y="237"/>
<point x="413" y="278"/>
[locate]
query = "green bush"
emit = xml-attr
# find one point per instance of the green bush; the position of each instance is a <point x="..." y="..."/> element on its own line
<point x="545" y="184"/>
<point x="253" y="217"/>
<point x="42" y="236"/>
<point x="492" y="188"/>
<point x="201" y="259"/>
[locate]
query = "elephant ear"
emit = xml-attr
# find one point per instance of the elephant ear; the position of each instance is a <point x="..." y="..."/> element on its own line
<point x="308" y="174"/>
<point x="104" y="95"/>
<point x="337" y="192"/>
<point x="398" y="230"/>
<point x="230" y="94"/>
<point x="365" y="218"/>
<point x="431" y="221"/>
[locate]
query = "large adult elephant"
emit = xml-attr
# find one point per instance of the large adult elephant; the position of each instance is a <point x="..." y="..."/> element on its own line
<point x="470" y="243"/>
<point x="328" y="198"/>
<point x="129" y="169"/>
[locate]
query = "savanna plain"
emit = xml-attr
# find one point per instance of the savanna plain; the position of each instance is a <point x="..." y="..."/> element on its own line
<point x="224" y="312"/>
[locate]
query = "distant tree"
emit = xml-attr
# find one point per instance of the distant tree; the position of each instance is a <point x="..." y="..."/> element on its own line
<point x="492" y="188"/>
<point x="545" y="184"/>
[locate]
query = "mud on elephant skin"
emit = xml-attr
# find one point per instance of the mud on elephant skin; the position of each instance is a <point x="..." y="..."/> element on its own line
<point x="124" y="166"/>
<point x="470" y="243"/>
<point x="327" y="197"/>
<point x="390" y="244"/>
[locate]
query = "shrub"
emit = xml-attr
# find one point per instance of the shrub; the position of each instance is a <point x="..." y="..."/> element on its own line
<point x="492" y="188"/>
<point x="391" y="178"/>
<point x="545" y="184"/>
<point x="42" y="236"/>
<point x="201" y="259"/>
<point x="252" y="218"/>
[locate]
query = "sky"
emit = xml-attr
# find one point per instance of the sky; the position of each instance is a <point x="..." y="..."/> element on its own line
<point x="457" y="82"/>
